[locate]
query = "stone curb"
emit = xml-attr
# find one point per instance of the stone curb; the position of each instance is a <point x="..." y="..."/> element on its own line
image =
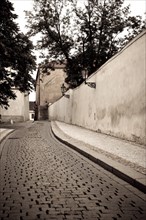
<point x="6" y="133"/>
<point x="125" y="173"/>
<point x="3" y="139"/>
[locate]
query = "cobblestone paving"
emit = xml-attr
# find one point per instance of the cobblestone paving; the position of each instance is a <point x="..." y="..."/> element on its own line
<point x="42" y="179"/>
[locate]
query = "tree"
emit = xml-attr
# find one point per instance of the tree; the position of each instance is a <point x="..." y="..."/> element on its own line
<point x="102" y="28"/>
<point x="16" y="59"/>
<point x="87" y="36"/>
<point x="53" y="20"/>
<point x="48" y="18"/>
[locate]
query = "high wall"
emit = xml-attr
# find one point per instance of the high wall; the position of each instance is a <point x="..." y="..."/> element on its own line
<point x="18" y="110"/>
<point x="118" y="104"/>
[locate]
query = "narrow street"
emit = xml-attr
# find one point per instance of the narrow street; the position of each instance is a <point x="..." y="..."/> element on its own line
<point x="41" y="178"/>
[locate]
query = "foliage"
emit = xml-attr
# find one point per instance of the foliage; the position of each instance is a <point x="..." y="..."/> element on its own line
<point x="85" y="36"/>
<point x="16" y="59"/>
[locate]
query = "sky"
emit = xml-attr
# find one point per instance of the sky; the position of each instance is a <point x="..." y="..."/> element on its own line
<point x="137" y="7"/>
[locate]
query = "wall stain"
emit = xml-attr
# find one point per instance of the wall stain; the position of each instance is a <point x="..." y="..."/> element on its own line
<point x="100" y="113"/>
<point x="89" y="110"/>
<point x="127" y="109"/>
<point x="115" y="117"/>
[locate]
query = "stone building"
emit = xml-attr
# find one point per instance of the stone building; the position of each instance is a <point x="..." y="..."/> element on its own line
<point x="49" y="80"/>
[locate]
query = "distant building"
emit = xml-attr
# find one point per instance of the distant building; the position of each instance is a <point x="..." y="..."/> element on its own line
<point x="49" y="79"/>
<point x="18" y="110"/>
<point x="31" y="111"/>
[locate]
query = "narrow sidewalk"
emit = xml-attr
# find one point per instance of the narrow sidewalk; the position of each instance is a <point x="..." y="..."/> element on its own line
<point x="125" y="159"/>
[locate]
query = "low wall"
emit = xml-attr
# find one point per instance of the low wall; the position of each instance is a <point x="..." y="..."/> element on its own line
<point x="10" y="118"/>
<point x="118" y="104"/>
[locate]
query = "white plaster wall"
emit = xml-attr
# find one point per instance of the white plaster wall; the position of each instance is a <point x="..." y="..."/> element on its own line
<point x="62" y="109"/>
<point x="118" y="104"/>
<point x="18" y="109"/>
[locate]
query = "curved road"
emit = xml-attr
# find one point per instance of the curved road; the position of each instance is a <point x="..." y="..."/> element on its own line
<point x="41" y="178"/>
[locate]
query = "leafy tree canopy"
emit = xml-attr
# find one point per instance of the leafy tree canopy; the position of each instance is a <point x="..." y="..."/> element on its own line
<point x="16" y="58"/>
<point x="84" y="36"/>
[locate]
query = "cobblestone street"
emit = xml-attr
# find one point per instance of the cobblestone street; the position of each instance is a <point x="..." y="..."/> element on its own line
<point x="41" y="178"/>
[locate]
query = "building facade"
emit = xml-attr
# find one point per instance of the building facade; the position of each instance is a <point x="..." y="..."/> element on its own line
<point x="18" y="110"/>
<point x="48" y="87"/>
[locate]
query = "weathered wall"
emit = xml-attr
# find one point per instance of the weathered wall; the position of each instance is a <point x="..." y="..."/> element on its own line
<point x="62" y="109"/>
<point x="118" y="104"/>
<point x="51" y="88"/>
<point x="18" y="110"/>
<point x="48" y="89"/>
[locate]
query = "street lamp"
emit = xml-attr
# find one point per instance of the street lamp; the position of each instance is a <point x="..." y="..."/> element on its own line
<point x="63" y="90"/>
<point x="85" y="76"/>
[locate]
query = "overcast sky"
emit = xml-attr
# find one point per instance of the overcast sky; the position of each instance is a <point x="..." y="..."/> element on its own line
<point x="138" y="7"/>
